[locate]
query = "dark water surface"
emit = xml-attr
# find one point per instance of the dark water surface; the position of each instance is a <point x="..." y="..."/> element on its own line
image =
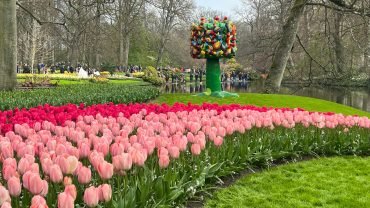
<point x="356" y="97"/>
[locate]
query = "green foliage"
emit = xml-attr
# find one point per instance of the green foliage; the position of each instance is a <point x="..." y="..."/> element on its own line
<point x="233" y="66"/>
<point x="142" y="47"/>
<point x="105" y="74"/>
<point x="85" y="93"/>
<point x="37" y="81"/>
<point x="325" y="182"/>
<point x="111" y="68"/>
<point x="151" y="75"/>
<point x="138" y="74"/>
<point x="99" y="80"/>
<point x="151" y="186"/>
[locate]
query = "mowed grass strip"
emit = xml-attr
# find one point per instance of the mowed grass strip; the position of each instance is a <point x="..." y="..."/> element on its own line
<point x="325" y="182"/>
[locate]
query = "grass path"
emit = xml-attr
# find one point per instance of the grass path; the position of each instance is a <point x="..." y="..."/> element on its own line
<point x="326" y="182"/>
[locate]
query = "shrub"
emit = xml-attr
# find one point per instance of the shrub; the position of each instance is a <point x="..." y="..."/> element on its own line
<point x="111" y="68"/>
<point x="151" y="75"/>
<point x="88" y="94"/>
<point x="138" y="74"/>
<point x="104" y="74"/>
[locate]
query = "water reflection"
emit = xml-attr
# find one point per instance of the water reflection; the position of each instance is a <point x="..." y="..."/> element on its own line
<point x="357" y="98"/>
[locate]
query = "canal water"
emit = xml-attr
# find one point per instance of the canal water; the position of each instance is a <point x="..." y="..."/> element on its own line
<point x="356" y="97"/>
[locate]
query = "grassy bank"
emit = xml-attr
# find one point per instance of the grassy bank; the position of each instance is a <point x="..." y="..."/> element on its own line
<point x="325" y="182"/>
<point x="288" y="101"/>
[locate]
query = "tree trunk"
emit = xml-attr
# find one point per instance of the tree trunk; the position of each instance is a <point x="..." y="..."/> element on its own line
<point x="96" y="51"/>
<point x="160" y="51"/>
<point x="286" y="43"/>
<point x="367" y="47"/>
<point x="121" y="50"/>
<point x="33" y="44"/>
<point x="124" y="50"/>
<point x="8" y="44"/>
<point x="340" y="62"/>
<point x="213" y="75"/>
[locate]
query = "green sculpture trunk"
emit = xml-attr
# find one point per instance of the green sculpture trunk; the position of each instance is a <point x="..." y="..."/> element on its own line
<point x="213" y="75"/>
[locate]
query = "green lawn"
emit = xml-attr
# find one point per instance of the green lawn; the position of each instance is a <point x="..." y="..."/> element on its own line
<point x="310" y="104"/>
<point x="326" y="182"/>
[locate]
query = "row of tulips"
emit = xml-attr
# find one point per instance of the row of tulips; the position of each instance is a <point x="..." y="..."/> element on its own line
<point x="58" y="115"/>
<point x="147" y="155"/>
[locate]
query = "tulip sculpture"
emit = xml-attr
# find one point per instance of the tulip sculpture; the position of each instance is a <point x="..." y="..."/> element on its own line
<point x="214" y="39"/>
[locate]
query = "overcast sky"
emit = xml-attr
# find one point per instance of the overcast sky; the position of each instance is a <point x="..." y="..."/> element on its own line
<point x="227" y="6"/>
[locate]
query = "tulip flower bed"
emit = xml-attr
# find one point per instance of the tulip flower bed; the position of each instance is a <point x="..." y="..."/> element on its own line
<point x="89" y="94"/>
<point x="148" y="155"/>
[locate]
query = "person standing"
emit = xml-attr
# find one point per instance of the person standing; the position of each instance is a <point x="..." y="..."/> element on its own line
<point x="191" y="75"/>
<point x="39" y="68"/>
<point x="200" y="75"/>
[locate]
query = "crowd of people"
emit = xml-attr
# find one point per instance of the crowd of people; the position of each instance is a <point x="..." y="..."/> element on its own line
<point x="169" y="74"/>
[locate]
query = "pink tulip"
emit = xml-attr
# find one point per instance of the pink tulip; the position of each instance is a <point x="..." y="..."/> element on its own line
<point x="174" y="151"/>
<point x="6" y="150"/>
<point x="84" y="150"/>
<point x="122" y="162"/>
<point x="38" y="202"/>
<point x="9" y="171"/>
<point x="11" y="162"/>
<point x="195" y="149"/>
<point x="138" y="156"/>
<point x="91" y="196"/>
<point x="55" y="173"/>
<point x="84" y="175"/>
<point x="105" y="192"/>
<point x="71" y="190"/>
<point x="73" y="163"/>
<point x="65" y="200"/>
<point x="23" y="165"/>
<point x="37" y="186"/>
<point x="67" y="181"/>
<point x="4" y="195"/>
<point x="105" y="170"/>
<point x="164" y="161"/>
<point x="218" y="141"/>
<point x="14" y="186"/>
<point x="6" y="205"/>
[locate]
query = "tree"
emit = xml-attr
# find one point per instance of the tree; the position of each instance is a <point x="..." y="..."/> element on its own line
<point x="8" y="44"/>
<point x="127" y="15"/>
<point x="171" y="12"/>
<point x="286" y="43"/>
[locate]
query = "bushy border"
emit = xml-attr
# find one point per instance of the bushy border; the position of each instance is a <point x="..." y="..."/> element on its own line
<point x="86" y="93"/>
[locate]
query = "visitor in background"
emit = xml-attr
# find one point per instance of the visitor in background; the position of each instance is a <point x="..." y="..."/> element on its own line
<point x="71" y="69"/>
<point x="18" y="70"/>
<point x="26" y="69"/>
<point x="39" y="68"/>
<point x="191" y="75"/>
<point x="53" y="68"/>
<point x="196" y="76"/>
<point x="200" y="75"/>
